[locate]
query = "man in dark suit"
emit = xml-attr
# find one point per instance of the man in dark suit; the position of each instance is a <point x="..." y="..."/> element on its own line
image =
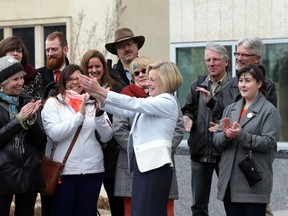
<point x="56" y="48"/>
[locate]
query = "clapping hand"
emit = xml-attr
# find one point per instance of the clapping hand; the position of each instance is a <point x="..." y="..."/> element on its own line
<point x="83" y="107"/>
<point x="230" y="131"/>
<point x="28" y="110"/>
<point x="213" y="127"/>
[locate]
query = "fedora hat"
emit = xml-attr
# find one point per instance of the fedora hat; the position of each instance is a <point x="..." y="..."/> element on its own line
<point x="122" y="35"/>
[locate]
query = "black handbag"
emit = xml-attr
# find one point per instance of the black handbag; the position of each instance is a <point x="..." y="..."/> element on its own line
<point x="249" y="168"/>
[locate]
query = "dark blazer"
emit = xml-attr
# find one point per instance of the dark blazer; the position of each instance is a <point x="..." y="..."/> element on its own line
<point x="118" y="73"/>
<point x="47" y="75"/>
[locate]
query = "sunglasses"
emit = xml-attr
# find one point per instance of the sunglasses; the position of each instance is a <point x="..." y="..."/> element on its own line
<point x="137" y="73"/>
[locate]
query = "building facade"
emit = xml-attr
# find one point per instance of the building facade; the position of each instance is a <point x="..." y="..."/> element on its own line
<point x="176" y="30"/>
<point x="193" y="23"/>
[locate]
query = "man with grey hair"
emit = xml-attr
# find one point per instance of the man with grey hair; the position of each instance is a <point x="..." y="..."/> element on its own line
<point x="250" y="50"/>
<point x="197" y="117"/>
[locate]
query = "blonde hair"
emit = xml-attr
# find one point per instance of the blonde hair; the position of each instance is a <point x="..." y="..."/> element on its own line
<point x="168" y="74"/>
<point x="142" y="61"/>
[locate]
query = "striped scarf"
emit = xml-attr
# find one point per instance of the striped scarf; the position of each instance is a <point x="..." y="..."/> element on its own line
<point x="18" y="139"/>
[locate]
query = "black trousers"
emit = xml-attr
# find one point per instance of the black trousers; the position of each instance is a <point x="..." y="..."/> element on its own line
<point x="24" y="204"/>
<point x="116" y="203"/>
<point x="242" y="209"/>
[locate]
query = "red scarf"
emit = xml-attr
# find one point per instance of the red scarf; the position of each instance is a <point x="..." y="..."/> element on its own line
<point x="134" y="91"/>
<point x="74" y="99"/>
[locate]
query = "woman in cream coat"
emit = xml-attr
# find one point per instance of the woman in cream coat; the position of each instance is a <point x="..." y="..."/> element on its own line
<point x="151" y="134"/>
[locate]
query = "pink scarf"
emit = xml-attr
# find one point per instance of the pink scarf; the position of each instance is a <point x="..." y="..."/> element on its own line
<point x="74" y="99"/>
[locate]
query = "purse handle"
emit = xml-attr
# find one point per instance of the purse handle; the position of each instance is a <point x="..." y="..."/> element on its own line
<point x="250" y="148"/>
<point x="70" y="147"/>
<point x="72" y="144"/>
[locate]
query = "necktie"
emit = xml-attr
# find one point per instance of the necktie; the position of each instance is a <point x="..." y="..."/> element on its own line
<point x="57" y="73"/>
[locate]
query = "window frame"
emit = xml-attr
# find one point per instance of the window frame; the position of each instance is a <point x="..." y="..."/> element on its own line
<point x="38" y="24"/>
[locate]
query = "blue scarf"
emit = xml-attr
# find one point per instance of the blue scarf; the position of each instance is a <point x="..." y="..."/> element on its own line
<point x="13" y="101"/>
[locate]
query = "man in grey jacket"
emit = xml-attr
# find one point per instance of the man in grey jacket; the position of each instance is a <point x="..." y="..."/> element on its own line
<point x="197" y="117"/>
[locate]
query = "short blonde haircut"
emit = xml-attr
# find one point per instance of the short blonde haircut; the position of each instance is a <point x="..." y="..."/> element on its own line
<point x="168" y="74"/>
<point x="138" y="62"/>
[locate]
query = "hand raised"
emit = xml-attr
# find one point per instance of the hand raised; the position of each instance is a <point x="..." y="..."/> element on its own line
<point x="188" y="123"/>
<point x="207" y="94"/>
<point x="82" y="109"/>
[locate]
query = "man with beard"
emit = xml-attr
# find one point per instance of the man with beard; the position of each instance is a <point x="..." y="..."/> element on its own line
<point x="126" y="47"/>
<point x="56" y="48"/>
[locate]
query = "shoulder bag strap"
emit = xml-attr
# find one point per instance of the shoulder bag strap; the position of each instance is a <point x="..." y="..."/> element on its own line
<point x="72" y="144"/>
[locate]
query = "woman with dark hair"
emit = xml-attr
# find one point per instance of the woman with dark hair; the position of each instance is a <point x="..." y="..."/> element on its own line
<point x="14" y="46"/>
<point x="94" y="64"/>
<point x="81" y="180"/>
<point x="252" y="123"/>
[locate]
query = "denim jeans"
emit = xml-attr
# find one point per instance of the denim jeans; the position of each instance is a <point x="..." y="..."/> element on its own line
<point x="201" y="178"/>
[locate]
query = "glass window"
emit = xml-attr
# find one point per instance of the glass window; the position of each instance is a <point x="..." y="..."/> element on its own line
<point x="1" y="34"/>
<point x="27" y="36"/>
<point x="49" y="29"/>
<point x="275" y="62"/>
<point x="191" y="64"/>
<point x="190" y="60"/>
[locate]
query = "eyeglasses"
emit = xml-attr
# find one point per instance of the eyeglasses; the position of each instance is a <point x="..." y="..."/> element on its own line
<point x="123" y="45"/>
<point x="71" y="79"/>
<point x="245" y="55"/>
<point x="137" y="73"/>
<point x="213" y="59"/>
<point x="17" y="50"/>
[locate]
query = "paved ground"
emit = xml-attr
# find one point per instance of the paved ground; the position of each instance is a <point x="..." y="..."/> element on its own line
<point x="279" y="196"/>
<point x="104" y="212"/>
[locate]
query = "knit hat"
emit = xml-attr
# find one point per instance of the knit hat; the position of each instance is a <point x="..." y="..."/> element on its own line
<point x="8" y="67"/>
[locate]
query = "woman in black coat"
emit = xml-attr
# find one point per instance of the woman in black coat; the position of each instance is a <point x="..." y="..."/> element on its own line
<point x="21" y="137"/>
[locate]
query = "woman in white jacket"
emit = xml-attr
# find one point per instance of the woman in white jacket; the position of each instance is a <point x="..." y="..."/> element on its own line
<point x="84" y="170"/>
<point x="150" y="139"/>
